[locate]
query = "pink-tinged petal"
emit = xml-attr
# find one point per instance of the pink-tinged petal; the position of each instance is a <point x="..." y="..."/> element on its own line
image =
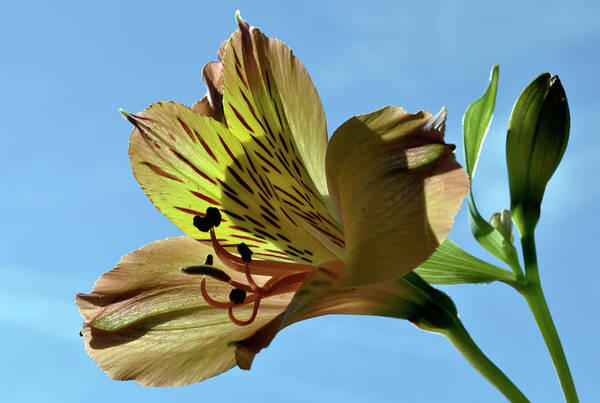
<point x="203" y="108"/>
<point x="396" y="187"/>
<point x="147" y="320"/>
<point x="186" y="163"/>
<point x="212" y="74"/>
<point x="323" y="293"/>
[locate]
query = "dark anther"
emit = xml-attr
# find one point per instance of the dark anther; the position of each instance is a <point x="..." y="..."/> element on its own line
<point x="245" y="252"/>
<point x="452" y="147"/>
<point x="210" y="220"/>
<point x="237" y="296"/>
<point x="207" y="271"/>
<point x="80" y="333"/>
<point x="209" y="260"/>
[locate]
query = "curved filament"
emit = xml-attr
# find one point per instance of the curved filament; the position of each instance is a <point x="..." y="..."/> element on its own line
<point x="279" y="285"/>
<point x="255" y="287"/>
<point x="284" y="277"/>
<point x="249" y="320"/>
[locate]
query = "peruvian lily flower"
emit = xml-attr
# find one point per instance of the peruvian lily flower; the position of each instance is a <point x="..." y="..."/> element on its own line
<point x="281" y="226"/>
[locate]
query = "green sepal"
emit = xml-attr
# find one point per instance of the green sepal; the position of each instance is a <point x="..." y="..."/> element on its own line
<point x="434" y="310"/>
<point x="537" y="137"/>
<point x="476" y="122"/>
<point x="449" y="264"/>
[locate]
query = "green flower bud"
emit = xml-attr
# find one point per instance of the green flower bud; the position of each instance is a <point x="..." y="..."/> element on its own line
<point x="538" y="132"/>
<point x="503" y="223"/>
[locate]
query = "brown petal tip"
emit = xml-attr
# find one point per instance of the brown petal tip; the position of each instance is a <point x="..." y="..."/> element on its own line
<point x="244" y="357"/>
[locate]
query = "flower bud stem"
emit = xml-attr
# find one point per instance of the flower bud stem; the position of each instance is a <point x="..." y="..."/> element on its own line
<point x="537" y="304"/>
<point x="463" y="342"/>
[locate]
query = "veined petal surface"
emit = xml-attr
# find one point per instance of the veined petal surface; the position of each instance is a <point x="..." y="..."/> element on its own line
<point x="186" y="162"/>
<point x="266" y="82"/>
<point x="271" y="105"/>
<point x="148" y="321"/>
<point x="323" y="293"/>
<point x="396" y="187"/>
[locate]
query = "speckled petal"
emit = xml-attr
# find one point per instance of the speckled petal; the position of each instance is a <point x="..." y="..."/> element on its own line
<point x="147" y="321"/>
<point x="272" y="106"/>
<point x="186" y="162"/>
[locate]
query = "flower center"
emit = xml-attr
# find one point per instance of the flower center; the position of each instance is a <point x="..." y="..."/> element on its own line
<point x="283" y="277"/>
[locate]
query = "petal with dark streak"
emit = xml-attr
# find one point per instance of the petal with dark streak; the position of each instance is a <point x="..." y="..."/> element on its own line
<point x="147" y="321"/>
<point x="186" y="163"/>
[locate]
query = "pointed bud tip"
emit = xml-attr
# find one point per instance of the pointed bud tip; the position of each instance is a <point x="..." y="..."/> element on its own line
<point x="503" y="224"/>
<point x="238" y="17"/>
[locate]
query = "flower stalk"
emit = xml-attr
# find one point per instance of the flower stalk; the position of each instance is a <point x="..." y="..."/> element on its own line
<point x="537" y="304"/>
<point x="440" y="316"/>
<point x="463" y="342"/>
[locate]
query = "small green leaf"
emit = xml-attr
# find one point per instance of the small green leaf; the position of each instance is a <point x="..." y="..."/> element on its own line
<point x="476" y="122"/>
<point x="475" y="125"/>
<point x="491" y="239"/>
<point x="449" y="264"/>
<point x="537" y="137"/>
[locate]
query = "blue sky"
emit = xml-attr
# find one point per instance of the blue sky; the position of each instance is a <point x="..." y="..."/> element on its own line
<point x="71" y="206"/>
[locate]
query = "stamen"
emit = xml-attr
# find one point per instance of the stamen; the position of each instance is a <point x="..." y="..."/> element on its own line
<point x="259" y="267"/>
<point x="245" y="322"/>
<point x="274" y="284"/>
<point x="237" y="296"/>
<point x="280" y="281"/>
<point x="211" y="219"/>
<point x="209" y="300"/>
<point x="246" y="254"/>
<point x="207" y="271"/>
<point x="223" y="305"/>
<point x="216" y="274"/>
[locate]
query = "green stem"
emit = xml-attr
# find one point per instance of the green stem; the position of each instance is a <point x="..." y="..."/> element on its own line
<point x="537" y="303"/>
<point x="463" y="342"/>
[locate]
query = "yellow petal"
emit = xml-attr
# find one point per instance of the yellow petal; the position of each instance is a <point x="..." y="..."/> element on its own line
<point x="396" y="187"/>
<point x="186" y="163"/>
<point x="264" y="81"/>
<point x="147" y="321"/>
<point x="272" y="106"/>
